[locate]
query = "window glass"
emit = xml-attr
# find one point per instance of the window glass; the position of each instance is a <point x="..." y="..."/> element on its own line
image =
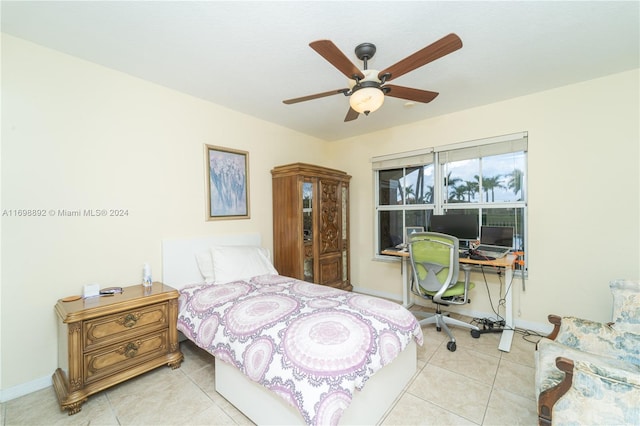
<point x="493" y="179"/>
<point x="405" y="198"/>
<point x="417" y="218"/>
<point x="513" y="217"/>
<point x="418" y="184"/>
<point x="390" y="187"/>
<point x="390" y="229"/>
<point x="486" y="180"/>
<point x="502" y="177"/>
<point x="461" y="181"/>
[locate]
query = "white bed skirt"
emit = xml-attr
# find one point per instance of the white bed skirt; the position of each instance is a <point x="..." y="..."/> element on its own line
<point x="368" y="406"/>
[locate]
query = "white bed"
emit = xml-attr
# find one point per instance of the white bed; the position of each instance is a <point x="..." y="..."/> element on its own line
<point x="259" y="404"/>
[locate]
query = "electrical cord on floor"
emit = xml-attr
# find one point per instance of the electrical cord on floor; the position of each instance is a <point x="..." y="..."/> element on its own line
<point x="503" y="300"/>
<point x="499" y="324"/>
<point x="486" y="284"/>
<point x="528" y="334"/>
<point x="489" y="325"/>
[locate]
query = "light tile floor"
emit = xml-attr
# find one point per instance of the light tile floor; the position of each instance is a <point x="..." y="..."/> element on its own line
<point x="475" y="385"/>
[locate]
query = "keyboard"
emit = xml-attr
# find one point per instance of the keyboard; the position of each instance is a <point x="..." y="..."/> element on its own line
<point x="492" y="251"/>
<point x="481" y="257"/>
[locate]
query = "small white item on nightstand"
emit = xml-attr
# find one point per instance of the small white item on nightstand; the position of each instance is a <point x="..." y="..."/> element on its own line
<point x="91" y="290"/>
<point x="146" y="275"/>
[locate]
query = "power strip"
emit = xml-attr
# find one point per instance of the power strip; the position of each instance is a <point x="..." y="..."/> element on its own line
<point x="489" y="325"/>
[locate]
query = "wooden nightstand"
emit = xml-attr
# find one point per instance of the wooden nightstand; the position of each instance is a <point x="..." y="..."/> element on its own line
<point x="103" y="341"/>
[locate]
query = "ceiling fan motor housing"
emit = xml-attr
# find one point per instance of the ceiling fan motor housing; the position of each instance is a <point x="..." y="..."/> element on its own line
<point x="370" y="76"/>
<point x="365" y="51"/>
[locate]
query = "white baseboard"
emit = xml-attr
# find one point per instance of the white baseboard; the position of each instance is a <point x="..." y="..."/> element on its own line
<point x="25" y="388"/>
<point x="382" y="294"/>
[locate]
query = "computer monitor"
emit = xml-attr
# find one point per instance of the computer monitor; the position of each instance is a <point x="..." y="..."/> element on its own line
<point x="462" y="226"/>
<point x="497" y="236"/>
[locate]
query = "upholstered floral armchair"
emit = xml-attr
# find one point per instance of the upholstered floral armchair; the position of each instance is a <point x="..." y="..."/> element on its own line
<point x="588" y="373"/>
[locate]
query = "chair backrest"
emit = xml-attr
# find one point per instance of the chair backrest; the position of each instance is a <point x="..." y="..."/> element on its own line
<point x="434" y="259"/>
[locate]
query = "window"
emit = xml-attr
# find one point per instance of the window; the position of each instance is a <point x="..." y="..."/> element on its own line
<point x="405" y="195"/>
<point x="485" y="178"/>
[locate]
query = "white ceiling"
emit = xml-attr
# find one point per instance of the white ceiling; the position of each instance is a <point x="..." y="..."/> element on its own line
<point x="249" y="56"/>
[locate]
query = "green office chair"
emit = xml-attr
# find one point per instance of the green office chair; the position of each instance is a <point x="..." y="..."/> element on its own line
<point x="434" y="261"/>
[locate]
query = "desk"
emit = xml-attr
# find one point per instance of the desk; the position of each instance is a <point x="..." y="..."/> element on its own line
<point x="506" y="262"/>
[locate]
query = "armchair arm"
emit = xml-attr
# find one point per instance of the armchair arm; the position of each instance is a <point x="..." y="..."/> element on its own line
<point x="596" y="338"/>
<point x="592" y="393"/>
<point x="556" y="321"/>
<point x="567" y="376"/>
<point x="548" y="398"/>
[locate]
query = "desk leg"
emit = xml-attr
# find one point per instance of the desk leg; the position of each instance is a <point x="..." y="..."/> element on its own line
<point x="507" y="334"/>
<point x="407" y="300"/>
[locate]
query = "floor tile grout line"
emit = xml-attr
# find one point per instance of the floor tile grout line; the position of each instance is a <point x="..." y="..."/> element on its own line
<point x="493" y="387"/>
<point x="206" y="394"/>
<point x="111" y="407"/>
<point x="442" y="407"/>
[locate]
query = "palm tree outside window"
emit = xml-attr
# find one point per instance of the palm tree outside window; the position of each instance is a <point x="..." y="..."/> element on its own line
<point x="487" y="180"/>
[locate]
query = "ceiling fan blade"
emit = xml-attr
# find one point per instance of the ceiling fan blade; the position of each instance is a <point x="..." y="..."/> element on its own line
<point x="410" y="94"/>
<point x="447" y="44"/>
<point x="352" y="114"/>
<point x="331" y="53"/>
<point x="316" y="96"/>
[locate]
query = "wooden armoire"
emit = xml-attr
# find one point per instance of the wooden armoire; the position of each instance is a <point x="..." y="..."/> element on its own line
<point x="311" y="224"/>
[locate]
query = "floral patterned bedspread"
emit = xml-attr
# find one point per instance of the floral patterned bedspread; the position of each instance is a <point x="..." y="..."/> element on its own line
<point x="310" y="344"/>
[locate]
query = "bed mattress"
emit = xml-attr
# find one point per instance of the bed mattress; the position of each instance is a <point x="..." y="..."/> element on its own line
<point x="311" y="345"/>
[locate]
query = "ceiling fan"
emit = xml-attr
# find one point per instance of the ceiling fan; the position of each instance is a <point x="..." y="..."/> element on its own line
<point x="367" y="88"/>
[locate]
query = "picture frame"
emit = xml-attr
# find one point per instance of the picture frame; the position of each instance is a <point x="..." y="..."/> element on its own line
<point x="227" y="183"/>
<point x="408" y="230"/>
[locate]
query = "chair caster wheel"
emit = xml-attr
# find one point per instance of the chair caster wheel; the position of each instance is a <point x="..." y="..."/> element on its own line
<point x="451" y="346"/>
<point x="475" y="334"/>
<point x="439" y="328"/>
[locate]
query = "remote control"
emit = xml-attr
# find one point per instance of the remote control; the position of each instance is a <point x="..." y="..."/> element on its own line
<point x="110" y="291"/>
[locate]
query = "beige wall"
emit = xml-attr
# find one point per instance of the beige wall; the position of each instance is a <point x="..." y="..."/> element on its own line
<point x="79" y="136"/>
<point x="584" y="193"/>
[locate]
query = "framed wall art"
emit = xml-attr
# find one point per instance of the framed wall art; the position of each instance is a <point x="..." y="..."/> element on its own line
<point x="227" y="174"/>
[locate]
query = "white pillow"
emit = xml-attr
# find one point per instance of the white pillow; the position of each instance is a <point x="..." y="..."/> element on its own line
<point x="233" y="263"/>
<point x="205" y="265"/>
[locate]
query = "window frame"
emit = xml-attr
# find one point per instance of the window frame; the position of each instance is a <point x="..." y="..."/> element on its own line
<point x="439" y="156"/>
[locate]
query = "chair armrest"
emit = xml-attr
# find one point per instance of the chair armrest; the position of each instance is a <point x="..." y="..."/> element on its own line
<point x="556" y="321"/>
<point x="593" y="393"/>
<point x="567" y="377"/>
<point x="549" y="397"/>
<point x="598" y="338"/>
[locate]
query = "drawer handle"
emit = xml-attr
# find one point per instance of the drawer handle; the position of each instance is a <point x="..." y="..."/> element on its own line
<point x="130" y="350"/>
<point x="130" y="320"/>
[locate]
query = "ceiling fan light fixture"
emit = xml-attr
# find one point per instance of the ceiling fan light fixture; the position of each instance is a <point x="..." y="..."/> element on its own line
<point x="366" y="98"/>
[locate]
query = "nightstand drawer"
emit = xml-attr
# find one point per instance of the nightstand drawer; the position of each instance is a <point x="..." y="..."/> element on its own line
<point x="122" y="356"/>
<point x="107" y="340"/>
<point x="124" y="325"/>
